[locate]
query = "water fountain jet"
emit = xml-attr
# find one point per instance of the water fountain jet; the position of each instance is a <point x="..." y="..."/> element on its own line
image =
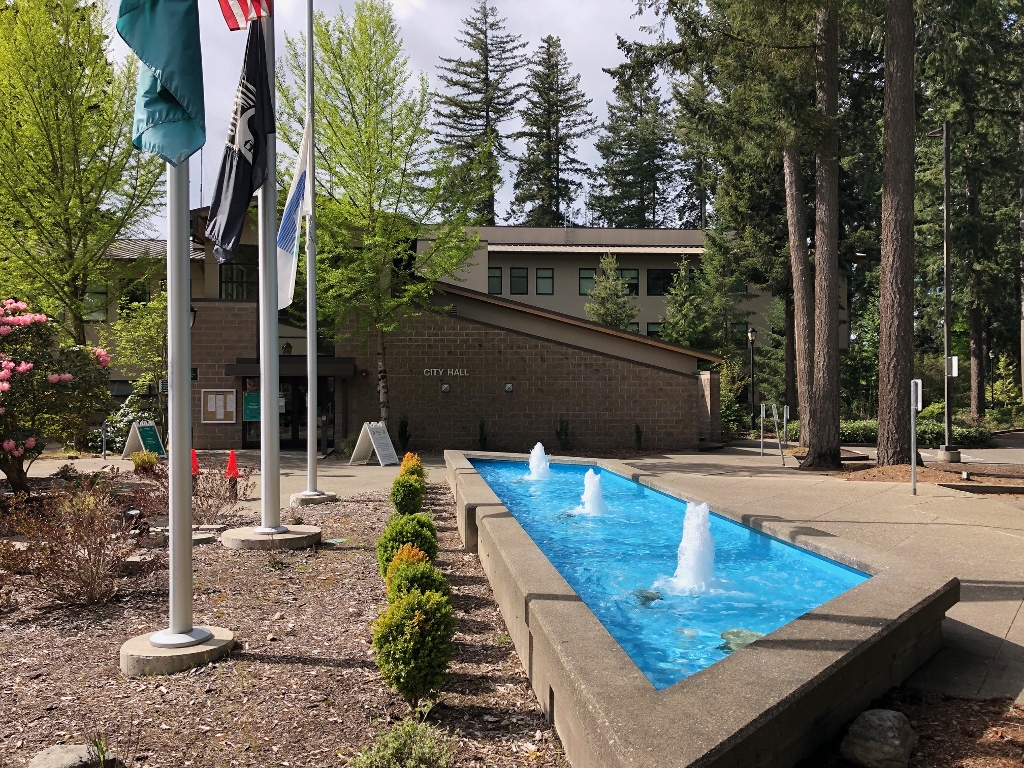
<point x="695" y="569"/>
<point x="540" y="464"/>
<point x="593" y="496"/>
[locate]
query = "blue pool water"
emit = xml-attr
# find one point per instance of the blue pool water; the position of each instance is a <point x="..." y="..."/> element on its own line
<point x="612" y="561"/>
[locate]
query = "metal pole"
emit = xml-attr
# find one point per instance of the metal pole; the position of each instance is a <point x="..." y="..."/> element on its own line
<point x="752" y="385"/>
<point x="270" y="427"/>
<point x="311" y="362"/>
<point x="778" y="435"/>
<point x="762" y="429"/>
<point x="915" y="390"/>
<point x="103" y="437"/>
<point x="785" y="425"/>
<point x="180" y="633"/>
<point x="946" y="302"/>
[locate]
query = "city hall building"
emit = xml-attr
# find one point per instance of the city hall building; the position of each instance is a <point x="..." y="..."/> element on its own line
<point x="508" y="357"/>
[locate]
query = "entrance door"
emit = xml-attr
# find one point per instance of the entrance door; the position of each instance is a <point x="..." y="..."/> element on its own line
<point x="292" y="415"/>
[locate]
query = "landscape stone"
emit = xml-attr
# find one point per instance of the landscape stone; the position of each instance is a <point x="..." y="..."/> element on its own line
<point x="879" y="738"/>
<point x="65" y="756"/>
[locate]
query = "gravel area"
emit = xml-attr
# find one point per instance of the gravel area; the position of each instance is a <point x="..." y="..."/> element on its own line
<point x="300" y="690"/>
<point x="953" y="732"/>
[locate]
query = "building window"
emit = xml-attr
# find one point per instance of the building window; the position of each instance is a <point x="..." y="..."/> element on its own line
<point x="136" y="292"/>
<point x="659" y="281"/>
<point x="587" y="280"/>
<point x="239" y="279"/>
<point x="96" y="303"/>
<point x="654" y="329"/>
<point x="494" y="280"/>
<point x="518" y="281"/>
<point x="632" y="278"/>
<point x="633" y="327"/>
<point x="545" y="281"/>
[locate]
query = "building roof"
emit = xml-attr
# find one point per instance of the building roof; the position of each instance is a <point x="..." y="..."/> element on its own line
<point x="673" y="250"/>
<point x="138" y="248"/>
<point x="570" y="320"/>
<point x="600" y="238"/>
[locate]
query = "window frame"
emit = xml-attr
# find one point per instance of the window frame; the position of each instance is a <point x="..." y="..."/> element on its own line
<point x="492" y="274"/>
<point x="657" y="330"/>
<point x="513" y="277"/>
<point x="632" y="287"/>
<point x="549" y="276"/>
<point x="592" y="277"/>
<point x="633" y="327"/>
<point x="249" y="285"/>
<point x="665" y="276"/>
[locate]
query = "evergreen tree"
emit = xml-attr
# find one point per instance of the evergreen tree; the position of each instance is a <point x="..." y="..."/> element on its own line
<point x="638" y="179"/>
<point x="555" y="117"/>
<point x="610" y="303"/>
<point x="480" y="97"/>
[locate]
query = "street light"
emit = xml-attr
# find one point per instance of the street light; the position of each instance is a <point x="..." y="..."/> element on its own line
<point x="751" y="337"/>
<point x="947" y="452"/>
<point x="991" y="378"/>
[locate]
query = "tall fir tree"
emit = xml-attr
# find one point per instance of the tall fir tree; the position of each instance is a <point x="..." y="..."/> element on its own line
<point x="481" y="95"/>
<point x="638" y="182"/>
<point x="556" y="115"/>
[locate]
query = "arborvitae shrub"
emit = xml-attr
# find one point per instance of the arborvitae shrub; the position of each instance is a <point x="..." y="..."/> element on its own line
<point x="407" y="494"/>
<point x="407" y="577"/>
<point x="407" y="553"/>
<point x="412" y="643"/>
<point x="406" y="529"/>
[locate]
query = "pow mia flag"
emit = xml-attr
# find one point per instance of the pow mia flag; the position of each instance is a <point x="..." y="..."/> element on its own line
<point x="243" y="168"/>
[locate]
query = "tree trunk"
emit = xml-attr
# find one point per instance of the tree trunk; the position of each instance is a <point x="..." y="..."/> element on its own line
<point x="977" y="322"/>
<point x="382" y="377"/>
<point x="1020" y="134"/>
<point x="803" y="288"/>
<point x="791" y="397"/>
<point x="823" y="430"/>
<point x="16" y="473"/>
<point x="896" y="280"/>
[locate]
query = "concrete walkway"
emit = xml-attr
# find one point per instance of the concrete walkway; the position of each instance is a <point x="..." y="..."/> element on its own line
<point x="978" y="539"/>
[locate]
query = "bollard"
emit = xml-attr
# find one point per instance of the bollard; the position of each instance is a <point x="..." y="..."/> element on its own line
<point x="915" y="406"/>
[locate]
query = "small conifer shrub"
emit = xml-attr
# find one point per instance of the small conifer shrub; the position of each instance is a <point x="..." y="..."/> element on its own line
<point x="415" y="529"/>
<point x="407" y="553"/>
<point x="407" y="494"/>
<point x="407" y="577"/>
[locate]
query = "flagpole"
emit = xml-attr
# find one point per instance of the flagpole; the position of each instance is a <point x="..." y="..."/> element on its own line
<point x="270" y="427"/>
<point x="311" y="345"/>
<point x="180" y="633"/>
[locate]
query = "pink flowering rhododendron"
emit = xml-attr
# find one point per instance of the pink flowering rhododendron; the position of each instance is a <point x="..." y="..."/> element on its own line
<point x="46" y="388"/>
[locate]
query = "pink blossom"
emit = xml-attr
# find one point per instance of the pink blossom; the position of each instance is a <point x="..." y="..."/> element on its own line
<point x="102" y="356"/>
<point x="17" y="452"/>
<point x="5" y="386"/>
<point x="30" y="443"/>
<point x="53" y="378"/>
<point x="7" y="364"/>
<point x="8" y="445"/>
<point x="66" y="377"/>
<point x="24" y="367"/>
<point x="4" y="330"/>
<point x="5" y="374"/>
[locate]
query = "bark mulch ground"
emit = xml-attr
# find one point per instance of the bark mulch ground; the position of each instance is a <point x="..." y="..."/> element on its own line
<point x="300" y="690"/>
<point x="953" y="732"/>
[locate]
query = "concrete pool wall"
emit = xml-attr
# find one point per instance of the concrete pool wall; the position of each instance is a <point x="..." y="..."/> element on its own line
<point x="769" y="704"/>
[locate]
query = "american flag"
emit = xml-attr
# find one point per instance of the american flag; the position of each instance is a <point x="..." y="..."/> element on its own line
<point x="238" y="13"/>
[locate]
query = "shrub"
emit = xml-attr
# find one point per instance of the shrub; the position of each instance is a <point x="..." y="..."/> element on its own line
<point x="562" y="434"/>
<point x="638" y="436"/>
<point x="349" y="444"/>
<point x="407" y="577"/>
<point x="928" y="433"/>
<point x="77" y="546"/>
<point x="214" y="496"/>
<point x="412" y="466"/>
<point x="119" y="425"/>
<point x="408" y="744"/>
<point x="407" y="494"/>
<point x="145" y="461"/>
<point x="45" y="389"/>
<point x="406" y="554"/>
<point x="406" y="529"/>
<point x="934" y="412"/>
<point x="858" y="431"/>
<point x="412" y="642"/>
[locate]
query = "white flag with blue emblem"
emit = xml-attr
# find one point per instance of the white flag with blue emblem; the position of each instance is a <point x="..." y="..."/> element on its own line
<point x="298" y="205"/>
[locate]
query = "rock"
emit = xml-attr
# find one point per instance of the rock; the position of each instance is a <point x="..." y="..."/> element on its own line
<point x="879" y="738"/>
<point x="646" y="596"/>
<point x="278" y="616"/>
<point x="738" y="638"/>
<point x="65" y="756"/>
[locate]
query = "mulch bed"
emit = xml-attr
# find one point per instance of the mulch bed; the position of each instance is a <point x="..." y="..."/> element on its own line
<point x="953" y="732"/>
<point x="300" y="690"/>
<point x="938" y="472"/>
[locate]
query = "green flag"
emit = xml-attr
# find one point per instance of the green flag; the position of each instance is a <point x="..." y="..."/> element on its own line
<point x="170" y="114"/>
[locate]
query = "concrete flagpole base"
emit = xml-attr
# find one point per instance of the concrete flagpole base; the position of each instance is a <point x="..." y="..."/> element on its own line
<point x="294" y="537"/>
<point x="306" y="498"/>
<point x="140" y="657"/>
<point x="949" y="454"/>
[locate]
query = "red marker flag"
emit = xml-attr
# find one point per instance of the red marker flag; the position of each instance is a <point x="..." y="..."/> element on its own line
<point x="238" y="13"/>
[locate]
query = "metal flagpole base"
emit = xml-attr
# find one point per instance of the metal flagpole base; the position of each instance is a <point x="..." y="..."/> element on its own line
<point x="265" y="531"/>
<point x="167" y="639"/>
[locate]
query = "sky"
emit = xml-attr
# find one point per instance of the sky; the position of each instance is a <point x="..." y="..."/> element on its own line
<point x="588" y="30"/>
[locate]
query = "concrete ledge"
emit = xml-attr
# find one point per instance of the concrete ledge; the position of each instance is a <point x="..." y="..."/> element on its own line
<point x="140" y="658"/>
<point x="770" y="704"/>
<point x="300" y="500"/>
<point x="983" y="487"/>
<point x="297" y="537"/>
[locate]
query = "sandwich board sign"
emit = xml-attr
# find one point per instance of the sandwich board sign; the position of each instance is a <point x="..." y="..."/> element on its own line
<point x="374" y="438"/>
<point x="144" y="437"/>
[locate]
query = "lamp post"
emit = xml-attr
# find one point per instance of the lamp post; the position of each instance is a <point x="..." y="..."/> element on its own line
<point x="751" y="337"/>
<point x="991" y="378"/>
<point x="947" y="452"/>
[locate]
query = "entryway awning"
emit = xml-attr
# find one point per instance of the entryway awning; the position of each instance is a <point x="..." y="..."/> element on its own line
<point x="295" y="365"/>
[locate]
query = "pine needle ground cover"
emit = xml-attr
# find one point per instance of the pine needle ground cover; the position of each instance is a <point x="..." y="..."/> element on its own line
<point x="302" y="689"/>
